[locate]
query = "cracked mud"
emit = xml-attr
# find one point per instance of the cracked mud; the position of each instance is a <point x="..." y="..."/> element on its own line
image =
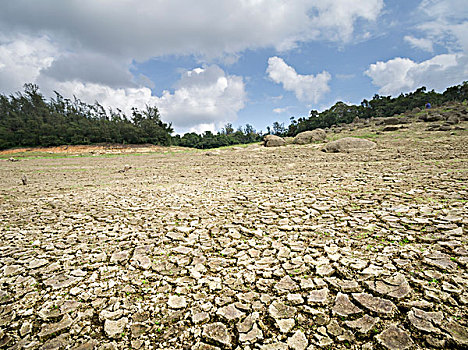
<point x="244" y="248"/>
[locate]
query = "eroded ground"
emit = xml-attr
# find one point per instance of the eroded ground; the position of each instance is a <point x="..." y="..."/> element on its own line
<point x="242" y="248"/>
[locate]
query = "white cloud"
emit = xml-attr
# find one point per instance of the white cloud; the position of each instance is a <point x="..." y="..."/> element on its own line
<point x="120" y="28"/>
<point x="87" y="47"/>
<point x="403" y="75"/>
<point x="335" y="19"/>
<point x="280" y="110"/>
<point x="445" y="23"/>
<point x="419" y="43"/>
<point x="204" y="96"/>
<point x="204" y="99"/>
<point x="306" y="87"/>
<point x="21" y="61"/>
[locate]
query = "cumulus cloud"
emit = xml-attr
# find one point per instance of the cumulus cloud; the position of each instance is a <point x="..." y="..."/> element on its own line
<point x="90" y="67"/>
<point x="307" y="88"/>
<point x="403" y="75"/>
<point x="204" y="98"/>
<point x="87" y="48"/>
<point x="280" y="110"/>
<point x="119" y="28"/>
<point x="420" y="43"/>
<point x="443" y="23"/>
<point x="21" y="60"/>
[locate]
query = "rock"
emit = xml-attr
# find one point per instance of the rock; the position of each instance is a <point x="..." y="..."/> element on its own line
<point x="200" y="317"/>
<point x="177" y="302"/>
<point x="115" y="329"/>
<point x="253" y="335"/>
<point x="273" y="141"/>
<point x="395" y="286"/>
<point x="318" y="296"/>
<point x="425" y="321"/>
<point x="344" y="307"/>
<point x="279" y="310"/>
<point x="394" y="338"/>
<point x="217" y="333"/>
<point x="306" y="137"/>
<point x="391" y="121"/>
<point x="286" y="285"/>
<point x="125" y="169"/>
<point x="391" y="128"/>
<point x="51" y="328"/>
<point x="230" y="313"/>
<point x="87" y="345"/>
<point x="348" y="144"/>
<point x="458" y="333"/>
<point x="378" y="305"/>
<point x="120" y="257"/>
<point x="275" y="346"/>
<point x="298" y="341"/>
<point x="57" y="343"/>
<point x="285" y="325"/>
<point x="363" y="325"/>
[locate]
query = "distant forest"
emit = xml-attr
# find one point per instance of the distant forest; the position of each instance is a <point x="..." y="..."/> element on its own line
<point x="27" y="119"/>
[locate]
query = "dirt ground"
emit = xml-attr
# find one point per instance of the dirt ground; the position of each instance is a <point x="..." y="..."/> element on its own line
<point x="240" y="248"/>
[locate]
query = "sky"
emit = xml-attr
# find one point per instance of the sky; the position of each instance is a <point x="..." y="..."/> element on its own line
<point x="206" y="63"/>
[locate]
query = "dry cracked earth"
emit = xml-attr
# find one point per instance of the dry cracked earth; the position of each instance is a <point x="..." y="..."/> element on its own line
<point x="240" y="248"/>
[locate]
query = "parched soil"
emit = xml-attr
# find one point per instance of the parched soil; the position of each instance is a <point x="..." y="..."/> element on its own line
<point x="244" y="248"/>
<point x="86" y="149"/>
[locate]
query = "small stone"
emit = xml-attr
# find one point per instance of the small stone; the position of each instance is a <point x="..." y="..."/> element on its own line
<point x="286" y="284"/>
<point x="48" y="329"/>
<point x="177" y="302"/>
<point x="57" y="343"/>
<point x="458" y="333"/>
<point x="298" y="341"/>
<point x="375" y="304"/>
<point x="114" y="329"/>
<point x="325" y="270"/>
<point x="364" y="324"/>
<point x="424" y="321"/>
<point x="285" y="325"/>
<point x="344" y="307"/>
<point x="253" y="335"/>
<point x="395" y="286"/>
<point x="230" y="313"/>
<point x="200" y="317"/>
<point x="26" y="328"/>
<point x="318" y="296"/>
<point x="394" y="338"/>
<point x="275" y="346"/>
<point x="295" y="299"/>
<point x="217" y="333"/>
<point x="279" y="310"/>
<point x="120" y="257"/>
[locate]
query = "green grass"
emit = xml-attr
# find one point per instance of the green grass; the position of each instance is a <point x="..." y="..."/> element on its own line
<point x="45" y="155"/>
<point x="368" y="136"/>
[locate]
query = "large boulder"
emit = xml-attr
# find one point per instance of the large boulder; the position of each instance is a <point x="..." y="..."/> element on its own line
<point x="348" y="144"/>
<point x="273" y="141"/>
<point x="306" y="137"/>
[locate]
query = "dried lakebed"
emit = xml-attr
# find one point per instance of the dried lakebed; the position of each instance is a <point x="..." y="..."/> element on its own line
<point x="245" y="248"/>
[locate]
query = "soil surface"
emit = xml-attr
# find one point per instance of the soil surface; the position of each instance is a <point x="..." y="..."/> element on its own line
<point x="240" y="248"/>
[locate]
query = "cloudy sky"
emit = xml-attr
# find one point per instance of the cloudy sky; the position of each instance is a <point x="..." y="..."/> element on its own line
<point x="208" y="62"/>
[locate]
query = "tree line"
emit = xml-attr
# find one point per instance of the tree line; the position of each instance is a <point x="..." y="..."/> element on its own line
<point x="378" y="106"/>
<point x="28" y="119"/>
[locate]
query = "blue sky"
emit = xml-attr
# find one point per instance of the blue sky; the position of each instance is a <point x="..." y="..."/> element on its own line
<point x="206" y="63"/>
